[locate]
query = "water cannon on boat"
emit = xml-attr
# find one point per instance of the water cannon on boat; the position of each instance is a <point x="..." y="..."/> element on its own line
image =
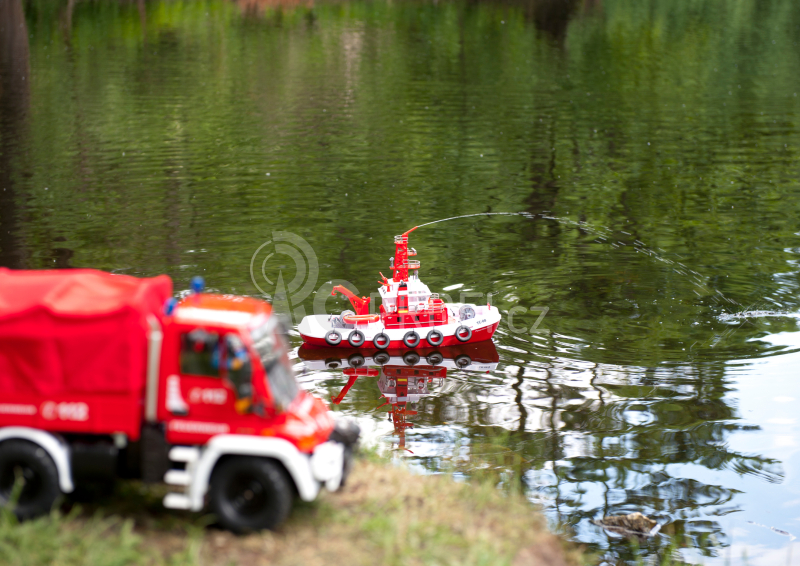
<point x="361" y="305"/>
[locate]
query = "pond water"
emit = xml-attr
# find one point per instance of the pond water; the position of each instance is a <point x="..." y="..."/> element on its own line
<point x="651" y="145"/>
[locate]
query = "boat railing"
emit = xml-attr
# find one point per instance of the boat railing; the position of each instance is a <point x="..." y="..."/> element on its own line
<point x="434" y="303"/>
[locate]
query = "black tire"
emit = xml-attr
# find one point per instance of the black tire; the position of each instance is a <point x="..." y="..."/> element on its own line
<point x="346" y="433"/>
<point x="411" y="339"/>
<point x="347" y="466"/>
<point x="435" y="337"/>
<point x="356" y="338"/>
<point x="356" y="361"/>
<point x="249" y="494"/>
<point x="434" y="358"/>
<point x="40" y="491"/>
<point x="381" y="358"/>
<point x="460" y="333"/>
<point x="333" y="363"/>
<point x="411" y="358"/>
<point x="462" y="361"/>
<point x="333" y="338"/>
<point x="381" y="341"/>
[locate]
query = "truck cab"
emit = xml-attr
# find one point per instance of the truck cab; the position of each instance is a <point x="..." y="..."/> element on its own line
<point x="104" y="376"/>
<point x="225" y="369"/>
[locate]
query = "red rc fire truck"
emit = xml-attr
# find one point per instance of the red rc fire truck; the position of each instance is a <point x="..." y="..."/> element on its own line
<point x="105" y="376"/>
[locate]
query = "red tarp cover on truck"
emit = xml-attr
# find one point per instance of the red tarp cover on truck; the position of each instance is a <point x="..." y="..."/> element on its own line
<point x="76" y="331"/>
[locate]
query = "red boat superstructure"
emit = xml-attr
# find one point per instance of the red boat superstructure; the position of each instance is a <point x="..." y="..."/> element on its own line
<point x="410" y="315"/>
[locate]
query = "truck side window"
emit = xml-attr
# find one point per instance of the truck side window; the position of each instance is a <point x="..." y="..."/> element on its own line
<point x="200" y="353"/>
<point x="239" y="367"/>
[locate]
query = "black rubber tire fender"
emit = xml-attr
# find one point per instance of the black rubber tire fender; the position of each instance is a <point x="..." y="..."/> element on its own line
<point x="41" y="489"/>
<point x="466" y="337"/>
<point x="250" y="494"/>
<point x="333" y="338"/>
<point x="434" y="358"/>
<point x="411" y="358"/>
<point x="462" y="361"/>
<point x="359" y="338"/>
<point x="381" y="358"/>
<point x="435" y="337"/>
<point x="356" y="361"/>
<point x="381" y="341"/>
<point x="411" y="339"/>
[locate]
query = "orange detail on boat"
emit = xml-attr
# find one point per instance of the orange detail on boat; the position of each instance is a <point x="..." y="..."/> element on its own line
<point x="360" y="318"/>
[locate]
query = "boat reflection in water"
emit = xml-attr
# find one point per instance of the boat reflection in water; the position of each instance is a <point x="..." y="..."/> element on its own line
<point x="404" y="377"/>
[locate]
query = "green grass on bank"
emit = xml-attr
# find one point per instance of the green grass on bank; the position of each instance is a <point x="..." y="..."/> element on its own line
<point x="67" y="540"/>
<point x="384" y="515"/>
<point x="73" y="539"/>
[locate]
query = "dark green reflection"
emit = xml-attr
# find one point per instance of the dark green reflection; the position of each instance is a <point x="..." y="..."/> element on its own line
<point x="654" y="143"/>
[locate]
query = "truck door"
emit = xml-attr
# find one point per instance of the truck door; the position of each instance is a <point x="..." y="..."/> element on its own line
<point x="200" y="390"/>
<point x="210" y="392"/>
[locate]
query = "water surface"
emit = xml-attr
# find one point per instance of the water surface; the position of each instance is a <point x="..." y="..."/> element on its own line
<point x="652" y="145"/>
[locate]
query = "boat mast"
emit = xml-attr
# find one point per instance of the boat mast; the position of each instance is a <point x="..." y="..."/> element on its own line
<point x="401" y="263"/>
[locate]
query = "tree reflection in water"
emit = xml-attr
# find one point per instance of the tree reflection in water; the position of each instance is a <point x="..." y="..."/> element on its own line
<point x="585" y="440"/>
<point x="174" y="137"/>
<point x="15" y="78"/>
<point x="603" y="440"/>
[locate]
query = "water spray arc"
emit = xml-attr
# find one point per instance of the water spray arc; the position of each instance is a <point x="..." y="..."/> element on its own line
<point x="607" y="235"/>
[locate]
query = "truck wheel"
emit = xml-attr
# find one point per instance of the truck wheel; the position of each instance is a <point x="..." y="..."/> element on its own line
<point x="31" y="463"/>
<point x="250" y="494"/>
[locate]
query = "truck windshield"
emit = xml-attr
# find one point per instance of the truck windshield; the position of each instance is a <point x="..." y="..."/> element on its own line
<point x="271" y="347"/>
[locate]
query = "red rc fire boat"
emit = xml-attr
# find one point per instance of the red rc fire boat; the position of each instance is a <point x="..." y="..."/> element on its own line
<point x="410" y="315"/>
